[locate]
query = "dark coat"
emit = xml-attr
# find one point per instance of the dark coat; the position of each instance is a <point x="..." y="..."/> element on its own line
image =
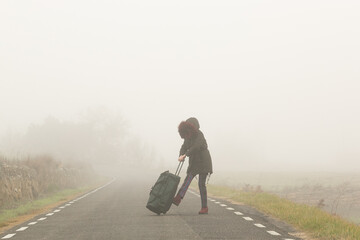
<point x="196" y="149"/>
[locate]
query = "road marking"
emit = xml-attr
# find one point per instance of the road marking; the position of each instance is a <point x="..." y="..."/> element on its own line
<point x="22" y="229"/>
<point x="9" y="236"/>
<point x="194" y="193"/>
<point x="71" y="202"/>
<point x="259" y="225"/>
<point x="274" y="233"/>
<point x="52" y="213"/>
<point x="248" y="218"/>
<point x="62" y="207"/>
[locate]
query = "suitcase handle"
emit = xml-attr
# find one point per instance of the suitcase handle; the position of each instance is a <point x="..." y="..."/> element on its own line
<point x="179" y="168"/>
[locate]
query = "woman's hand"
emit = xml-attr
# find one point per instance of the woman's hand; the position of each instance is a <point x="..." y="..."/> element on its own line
<point x="182" y="158"/>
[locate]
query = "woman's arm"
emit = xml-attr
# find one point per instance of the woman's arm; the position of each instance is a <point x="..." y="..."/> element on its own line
<point x="184" y="147"/>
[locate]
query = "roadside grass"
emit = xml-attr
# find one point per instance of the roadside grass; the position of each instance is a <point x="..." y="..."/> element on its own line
<point x="7" y="216"/>
<point x="311" y="220"/>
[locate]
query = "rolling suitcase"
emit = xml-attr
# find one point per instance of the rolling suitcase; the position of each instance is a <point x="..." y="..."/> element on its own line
<point x="163" y="192"/>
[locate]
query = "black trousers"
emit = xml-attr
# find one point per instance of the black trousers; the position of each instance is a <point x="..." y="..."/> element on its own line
<point x="202" y="187"/>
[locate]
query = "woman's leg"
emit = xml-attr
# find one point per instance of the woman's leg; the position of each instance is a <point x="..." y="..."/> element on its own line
<point x="181" y="193"/>
<point x="202" y="188"/>
<point x="185" y="185"/>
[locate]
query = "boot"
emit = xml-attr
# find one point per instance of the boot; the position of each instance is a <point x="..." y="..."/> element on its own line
<point x="177" y="200"/>
<point x="204" y="210"/>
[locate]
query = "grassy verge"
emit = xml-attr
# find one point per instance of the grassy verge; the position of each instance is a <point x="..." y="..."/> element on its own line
<point x="314" y="221"/>
<point x="8" y="216"/>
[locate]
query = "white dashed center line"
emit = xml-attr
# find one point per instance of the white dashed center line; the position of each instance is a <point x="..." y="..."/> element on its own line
<point x="50" y="214"/>
<point x="223" y="205"/>
<point x="239" y="213"/>
<point x="32" y="223"/>
<point x="229" y="208"/>
<point x="42" y="219"/>
<point x="57" y="210"/>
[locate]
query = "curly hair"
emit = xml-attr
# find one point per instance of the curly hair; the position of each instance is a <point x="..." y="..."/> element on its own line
<point x="187" y="130"/>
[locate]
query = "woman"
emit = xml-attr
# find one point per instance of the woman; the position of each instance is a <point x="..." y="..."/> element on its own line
<point x="194" y="147"/>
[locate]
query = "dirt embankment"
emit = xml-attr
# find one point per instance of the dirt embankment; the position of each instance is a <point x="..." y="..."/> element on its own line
<point x="26" y="180"/>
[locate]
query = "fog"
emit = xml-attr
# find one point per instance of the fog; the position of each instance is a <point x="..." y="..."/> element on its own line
<point x="274" y="84"/>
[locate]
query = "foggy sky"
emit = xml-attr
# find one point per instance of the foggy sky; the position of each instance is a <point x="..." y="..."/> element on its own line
<point x="274" y="84"/>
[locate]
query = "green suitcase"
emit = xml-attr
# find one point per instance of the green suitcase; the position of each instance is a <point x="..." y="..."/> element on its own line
<point x="163" y="192"/>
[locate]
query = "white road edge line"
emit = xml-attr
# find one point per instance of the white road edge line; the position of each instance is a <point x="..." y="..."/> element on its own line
<point x="259" y="225"/>
<point x="248" y="218"/>
<point x="93" y="191"/>
<point x="58" y="210"/>
<point x="42" y="219"/>
<point x="22" y="229"/>
<point x="274" y="233"/>
<point x="9" y="236"/>
<point x="194" y="193"/>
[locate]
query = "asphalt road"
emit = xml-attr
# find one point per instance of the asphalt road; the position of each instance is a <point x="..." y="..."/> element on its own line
<point x="117" y="211"/>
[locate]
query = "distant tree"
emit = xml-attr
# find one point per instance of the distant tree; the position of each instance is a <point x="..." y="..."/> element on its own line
<point x="99" y="136"/>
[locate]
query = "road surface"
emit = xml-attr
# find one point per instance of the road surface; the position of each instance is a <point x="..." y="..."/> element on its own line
<point x="117" y="211"/>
